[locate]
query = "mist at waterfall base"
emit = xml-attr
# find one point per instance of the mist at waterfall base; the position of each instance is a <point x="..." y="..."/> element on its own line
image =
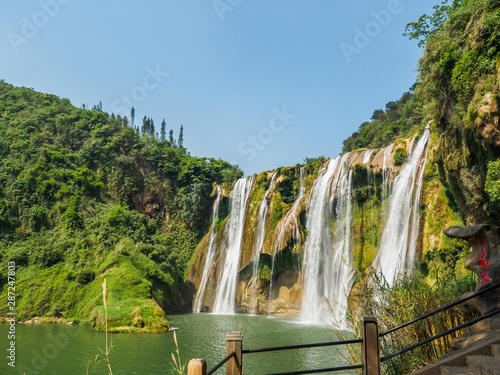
<point x="327" y="269"/>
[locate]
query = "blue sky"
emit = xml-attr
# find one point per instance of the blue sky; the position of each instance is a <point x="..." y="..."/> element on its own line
<point x="261" y="84"/>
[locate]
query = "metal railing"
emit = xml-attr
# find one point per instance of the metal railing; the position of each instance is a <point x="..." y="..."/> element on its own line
<point x="447" y="332"/>
<point x="370" y="345"/>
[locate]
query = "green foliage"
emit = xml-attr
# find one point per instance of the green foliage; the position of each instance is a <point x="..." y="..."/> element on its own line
<point x="400" y="156"/>
<point x="82" y="193"/>
<point x="429" y="25"/>
<point x="409" y="298"/>
<point x="277" y="210"/>
<point x="492" y="186"/>
<point x="400" y="119"/>
<point x="264" y="273"/>
<point x="461" y="49"/>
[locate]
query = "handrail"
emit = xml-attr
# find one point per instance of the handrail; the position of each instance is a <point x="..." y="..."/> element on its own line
<point x="316" y="345"/>
<point x="219" y="365"/>
<point x="353" y="367"/>
<point x="370" y="339"/>
<point x="435" y="337"/>
<point x="457" y="302"/>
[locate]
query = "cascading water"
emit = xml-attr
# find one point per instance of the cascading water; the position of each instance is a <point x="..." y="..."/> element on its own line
<point x="279" y="242"/>
<point x="261" y="234"/>
<point x="339" y="281"/>
<point x="385" y="171"/>
<point x="366" y="157"/>
<point x="327" y="270"/>
<point x="290" y="215"/>
<point x="416" y="206"/>
<point x="209" y="260"/>
<point x="396" y="251"/>
<point x="230" y="257"/>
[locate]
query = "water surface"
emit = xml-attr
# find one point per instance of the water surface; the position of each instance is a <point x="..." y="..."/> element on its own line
<point x="67" y="350"/>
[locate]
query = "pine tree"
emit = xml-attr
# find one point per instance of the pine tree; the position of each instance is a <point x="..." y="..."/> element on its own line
<point x="151" y="127"/>
<point x="171" y="138"/>
<point x="132" y="115"/>
<point x="181" y="137"/>
<point x="163" y="131"/>
<point x="145" y="126"/>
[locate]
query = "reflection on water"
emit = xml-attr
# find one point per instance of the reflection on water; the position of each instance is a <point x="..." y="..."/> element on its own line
<point x="67" y="350"/>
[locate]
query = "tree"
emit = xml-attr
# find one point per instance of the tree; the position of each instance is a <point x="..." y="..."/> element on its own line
<point x="377" y="113"/>
<point x="145" y="125"/>
<point x="171" y="138"/>
<point x="132" y="115"/>
<point x="151" y="127"/>
<point x="97" y="107"/>
<point x="429" y="25"/>
<point x="163" y="131"/>
<point x="181" y="137"/>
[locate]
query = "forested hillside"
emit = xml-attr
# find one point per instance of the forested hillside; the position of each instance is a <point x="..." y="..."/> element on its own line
<point x="85" y="195"/>
<point x="457" y="86"/>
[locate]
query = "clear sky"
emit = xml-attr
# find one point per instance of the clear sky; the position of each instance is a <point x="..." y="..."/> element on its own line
<point x="261" y="84"/>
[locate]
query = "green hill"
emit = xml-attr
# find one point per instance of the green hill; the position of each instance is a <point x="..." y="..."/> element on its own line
<point x="86" y="196"/>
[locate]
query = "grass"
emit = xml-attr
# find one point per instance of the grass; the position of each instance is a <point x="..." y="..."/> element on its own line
<point x="409" y="298"/>
<point x="178" y="368"/>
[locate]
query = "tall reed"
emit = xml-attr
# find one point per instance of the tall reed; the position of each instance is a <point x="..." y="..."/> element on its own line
<point x="105" y="299"/>
<point x="409" y="298"/>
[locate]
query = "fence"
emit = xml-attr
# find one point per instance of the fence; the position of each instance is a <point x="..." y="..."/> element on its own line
<point x="370" y="345"/>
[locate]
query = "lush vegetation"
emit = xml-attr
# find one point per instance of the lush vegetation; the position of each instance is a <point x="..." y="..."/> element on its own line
<point x="409" y="298"/>
<point x="458" y="87"/>
<point x="399" y="119"/>
<point x="85" y="195"/>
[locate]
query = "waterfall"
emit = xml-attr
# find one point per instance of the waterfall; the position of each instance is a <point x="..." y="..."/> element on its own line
<point x="395" y="254"/>
<point x="290" y="215"/>
<point x="366" y="157"/>
<point x="416" y="206"/>
<point x="366" y="160"/>
<point x="340" y="280"/>
<point x="261" y="234"/>
<point x="327" y="270"/>
<point x="230" y="254"/>
<point x="209" y="260"/>
<point x="281" y="229"/>
<point x="385" y="171"/>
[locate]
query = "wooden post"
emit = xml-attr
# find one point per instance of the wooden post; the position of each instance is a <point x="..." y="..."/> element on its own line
<point x="197" y="367"/>
<point x="370" y="348"/>
<point x="234" y="343"/>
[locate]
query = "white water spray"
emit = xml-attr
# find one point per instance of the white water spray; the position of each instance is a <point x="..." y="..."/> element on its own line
<point x="396" y="252"/>
<point x="209" y="260"/>
<point x="261" y="234"/>
<point x="327" y="270"/>
<point x="230" y="257"/>
<point x="279" y="242"/>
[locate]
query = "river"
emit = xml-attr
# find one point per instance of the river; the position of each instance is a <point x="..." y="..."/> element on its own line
<point x="68" y="350"/>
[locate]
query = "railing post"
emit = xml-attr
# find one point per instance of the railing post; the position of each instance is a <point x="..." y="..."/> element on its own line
<point x="234" y="343"/>
<point x="197" y="367"/>
<point x="370" y="347"/>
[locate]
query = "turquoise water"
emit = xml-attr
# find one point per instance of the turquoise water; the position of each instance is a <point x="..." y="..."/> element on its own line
<point x="67" y="350"/>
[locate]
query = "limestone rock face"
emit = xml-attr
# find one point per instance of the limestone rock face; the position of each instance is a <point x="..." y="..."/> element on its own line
<point x="287" y="294"/>
<point x="484" y="261"/>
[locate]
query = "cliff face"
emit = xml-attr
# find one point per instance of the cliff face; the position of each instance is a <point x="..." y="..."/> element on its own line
<point x="280" y="231"/>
